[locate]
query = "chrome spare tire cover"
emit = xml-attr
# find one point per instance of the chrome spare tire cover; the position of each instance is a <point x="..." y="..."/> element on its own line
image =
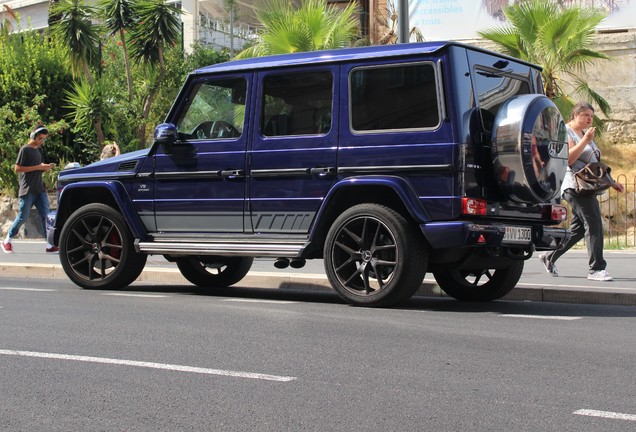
<point x="529" y="149"/>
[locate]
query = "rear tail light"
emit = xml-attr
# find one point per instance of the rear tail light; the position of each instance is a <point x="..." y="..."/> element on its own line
<point x="474" y="206"/>
<point x="555" y="212"/>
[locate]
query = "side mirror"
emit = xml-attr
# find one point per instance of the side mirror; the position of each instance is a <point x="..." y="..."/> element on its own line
<point x="166" y="133"/>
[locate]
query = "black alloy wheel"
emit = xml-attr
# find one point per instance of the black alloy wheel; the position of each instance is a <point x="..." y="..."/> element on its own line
<point x="374" y="257"/>
<point x="97" y="249"/>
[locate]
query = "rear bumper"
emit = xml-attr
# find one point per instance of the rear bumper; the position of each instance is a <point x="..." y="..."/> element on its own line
<point x="444" y="235"/>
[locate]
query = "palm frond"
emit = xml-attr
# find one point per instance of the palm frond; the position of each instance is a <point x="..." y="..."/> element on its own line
<point x="508" y="40"/>
<point x="158" y="25"/>
<point x="583" y="89"/>
<point x="558" y="39"/>
<point x="314" y="25"/>
<point x="74" y="29"/>
<point x="117" y="14"/>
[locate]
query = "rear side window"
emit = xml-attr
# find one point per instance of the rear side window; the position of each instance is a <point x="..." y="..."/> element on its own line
<point x="494" y="88"/>
<point x="297" y="104"/>
<point x="395" y="97"/>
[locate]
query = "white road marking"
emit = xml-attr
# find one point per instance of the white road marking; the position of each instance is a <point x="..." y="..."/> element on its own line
<point x="26" y="289"/>
<point x="163" y="366"/>
<point x="605" y="414"/>
<point x="135" y="295"/>
<point x="240" y="300"/>
<point x="545" y="317"/>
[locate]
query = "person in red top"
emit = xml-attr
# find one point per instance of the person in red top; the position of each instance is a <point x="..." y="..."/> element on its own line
<point x="32" y="192"/>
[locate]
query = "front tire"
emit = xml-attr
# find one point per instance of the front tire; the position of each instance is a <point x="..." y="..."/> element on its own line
<point x="214" y="271"/>
<point x="374" y="257"/>
<point x="97" y="249"/>
<point x="479" y="284"/>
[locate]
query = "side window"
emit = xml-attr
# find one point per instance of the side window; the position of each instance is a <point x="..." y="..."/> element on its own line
<point x="493" y="88"/>
<point x="215" y="110"/>
<point x="297" y="104"/>
<point x="394" y="97"/>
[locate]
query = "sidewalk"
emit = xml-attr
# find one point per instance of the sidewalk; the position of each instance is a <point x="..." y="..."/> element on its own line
<point x="572" y="286"/>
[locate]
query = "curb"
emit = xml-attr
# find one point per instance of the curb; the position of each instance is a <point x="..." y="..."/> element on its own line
<point x="319" y="282"/>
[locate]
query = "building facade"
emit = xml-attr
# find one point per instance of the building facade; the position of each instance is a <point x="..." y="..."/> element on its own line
<point x="210" y="22"/>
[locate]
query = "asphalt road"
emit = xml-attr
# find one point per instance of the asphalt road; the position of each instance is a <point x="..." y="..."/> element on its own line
<point x="161" y="358"/>
<point x="535" y="284"/>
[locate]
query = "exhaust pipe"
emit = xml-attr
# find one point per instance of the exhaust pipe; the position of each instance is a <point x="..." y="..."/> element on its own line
<point x="297" y="263"/>
<point x="281" y="263"/>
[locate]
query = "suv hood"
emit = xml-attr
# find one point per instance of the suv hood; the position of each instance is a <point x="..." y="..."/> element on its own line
<point x="127" y="163"/>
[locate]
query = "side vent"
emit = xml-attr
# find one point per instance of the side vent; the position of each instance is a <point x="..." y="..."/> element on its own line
<point x="127" y="166"/>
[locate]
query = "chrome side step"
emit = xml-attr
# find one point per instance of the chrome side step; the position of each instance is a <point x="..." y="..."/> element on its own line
<point x="227" y="248"/>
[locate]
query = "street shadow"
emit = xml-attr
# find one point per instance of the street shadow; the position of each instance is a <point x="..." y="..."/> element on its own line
<point x="317" y="294"/>
<point x="417" y="303"/>
<point x="521" y="307"/>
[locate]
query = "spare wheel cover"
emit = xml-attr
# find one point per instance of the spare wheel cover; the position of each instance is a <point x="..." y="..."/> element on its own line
<point x="529" y="148"/>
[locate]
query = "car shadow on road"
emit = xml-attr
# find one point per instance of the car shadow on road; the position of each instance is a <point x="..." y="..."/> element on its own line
<point x="522" y="307"/>
<point x="416" y="303"/>
<point x="319" y="294"/>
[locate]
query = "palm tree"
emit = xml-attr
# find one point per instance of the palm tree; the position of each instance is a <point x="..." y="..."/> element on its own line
<point x="558" y="39"/>
<point x="158" y="26"/>
<point x="312" y="26"/>
<point x="74" y="29"/>
<point x="119" y="16"/>
<point x="88" y="107"/>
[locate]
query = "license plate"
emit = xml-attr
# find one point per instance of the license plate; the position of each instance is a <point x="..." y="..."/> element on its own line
<point x="515" y="234"/>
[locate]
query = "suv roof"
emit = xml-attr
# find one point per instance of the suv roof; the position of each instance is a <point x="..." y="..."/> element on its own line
<point x="339" y="55"/>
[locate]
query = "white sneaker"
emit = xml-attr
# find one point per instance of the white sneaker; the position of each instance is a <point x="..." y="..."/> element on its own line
<point x="550" y="267"/>
<point x="600" y="275"/>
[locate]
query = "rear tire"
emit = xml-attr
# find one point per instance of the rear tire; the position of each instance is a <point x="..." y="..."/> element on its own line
<point x="214" y="271"/>
<point x="480" y="284"/>
<point x="374" y="257"/>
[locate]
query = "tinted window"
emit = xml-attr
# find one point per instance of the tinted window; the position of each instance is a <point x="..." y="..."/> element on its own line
<point x="394" y="97"/>
<point x="215" y="110"/>
<point x="297" y="104"/>
<point x="494" y="88"/>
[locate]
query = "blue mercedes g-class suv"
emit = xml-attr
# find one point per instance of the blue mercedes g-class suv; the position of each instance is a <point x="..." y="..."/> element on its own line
<point x="386" y="162"/>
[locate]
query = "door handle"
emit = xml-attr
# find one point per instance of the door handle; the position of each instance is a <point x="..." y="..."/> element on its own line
<point x="231" y="174"/>
<point x="322" y="171"/>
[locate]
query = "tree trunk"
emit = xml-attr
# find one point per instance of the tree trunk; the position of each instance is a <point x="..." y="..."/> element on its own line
<point x="89" y="75"/>
<point x="152" y="94"/>
<point x="127" y="65"/>
<point x="141" y="134"/>
<point x="97" y="123"/>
